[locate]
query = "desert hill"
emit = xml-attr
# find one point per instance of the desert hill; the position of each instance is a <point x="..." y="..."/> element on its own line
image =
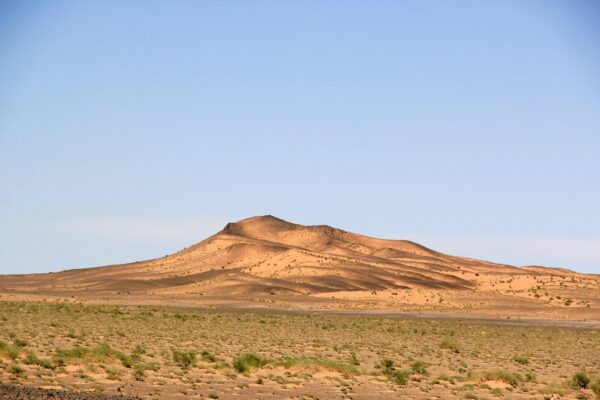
<point x="266" y="259"/>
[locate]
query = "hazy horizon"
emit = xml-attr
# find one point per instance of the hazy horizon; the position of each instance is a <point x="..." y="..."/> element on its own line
<point x="130" y="130"/>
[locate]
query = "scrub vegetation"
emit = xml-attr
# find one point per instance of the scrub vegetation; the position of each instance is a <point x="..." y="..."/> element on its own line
<point x="165" y="353"/>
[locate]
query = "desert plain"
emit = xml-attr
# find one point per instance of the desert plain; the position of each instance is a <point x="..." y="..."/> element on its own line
<point x="267" y="309"/>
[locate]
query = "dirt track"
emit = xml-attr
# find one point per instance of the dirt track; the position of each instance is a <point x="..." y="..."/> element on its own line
<point x="27" y="393"/>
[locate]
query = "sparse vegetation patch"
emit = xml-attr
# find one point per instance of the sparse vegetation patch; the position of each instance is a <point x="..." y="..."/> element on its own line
<point x="162" y="353"/>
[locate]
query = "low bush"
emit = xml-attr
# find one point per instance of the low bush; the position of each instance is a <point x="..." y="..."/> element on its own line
<point x="317" y="362"/>
<point x="247" y="362"/>
<point x="100" y="353"/>
<point x="419" y="367"/>
<point x="32" y="359"/>
<point x="400" y="377"/>
<point x="9" y="350"/>
<point x="208" y="356"/>
<point x="449" y="345"/>
<point x="354" y="359"/>
<point x="387" y="365"/>
<point x="136" y="354"/>
<point x="596" y="388"/>
<point x="185" y="359"/>
<point x="139" y="370"/>
<point x="16" y="370"/>
<point x="512" y="378"/>
<point x="580" y="381"/>
<point x="521" y="360"/>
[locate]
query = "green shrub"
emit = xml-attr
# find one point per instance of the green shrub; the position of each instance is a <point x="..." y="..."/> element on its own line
<point x="61" y="356"/>
<point x="136" y="354"/>
<point x="521" y="360"/>
<point x="74" y="353"/>
<point x="354" y="359"/>
<point x="596" y="388"/>
<point x="139" y="372"/>
<point x="32" y="359"/>
<point x="185" y="359"/>
<point x="580" y="381"/>
<point x="530" y="377"/>
<point x="208" y="356"/>
<point x="419" y="367"/>
<point x="246" y="362"/>
<point x="400" y="377"/>
<point x="16" y="370"/>
<point x="317" y="362"/>
<point x="104" y="352"/>
<point x="449" y="345"/>
<point x="100" y="353"/>
<point x="125" y="359"/>
<point x="387" y="366"/>
<point x="9" y="350"/>
<point x="512" y="378"/>
<point x="112" y="374"/>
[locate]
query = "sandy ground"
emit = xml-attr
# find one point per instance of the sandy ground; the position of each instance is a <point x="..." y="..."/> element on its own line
<point x="182" y="353"/>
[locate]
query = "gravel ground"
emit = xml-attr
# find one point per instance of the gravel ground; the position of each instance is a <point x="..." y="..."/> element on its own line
<point x="28" y="393"/>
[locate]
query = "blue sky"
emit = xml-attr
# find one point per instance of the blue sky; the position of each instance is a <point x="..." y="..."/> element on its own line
<point x="131" y="129"/>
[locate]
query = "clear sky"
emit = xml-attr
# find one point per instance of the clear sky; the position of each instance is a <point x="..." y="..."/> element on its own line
<point x="131" y="129"/>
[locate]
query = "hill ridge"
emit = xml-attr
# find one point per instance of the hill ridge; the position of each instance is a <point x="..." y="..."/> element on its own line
<point x="266" y="256"/>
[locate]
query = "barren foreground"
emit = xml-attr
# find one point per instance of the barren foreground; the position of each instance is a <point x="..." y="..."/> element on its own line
<point x="165" y="353"/>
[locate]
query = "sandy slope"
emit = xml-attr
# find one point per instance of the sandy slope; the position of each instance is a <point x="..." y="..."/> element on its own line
<point x="265" y="260"/>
